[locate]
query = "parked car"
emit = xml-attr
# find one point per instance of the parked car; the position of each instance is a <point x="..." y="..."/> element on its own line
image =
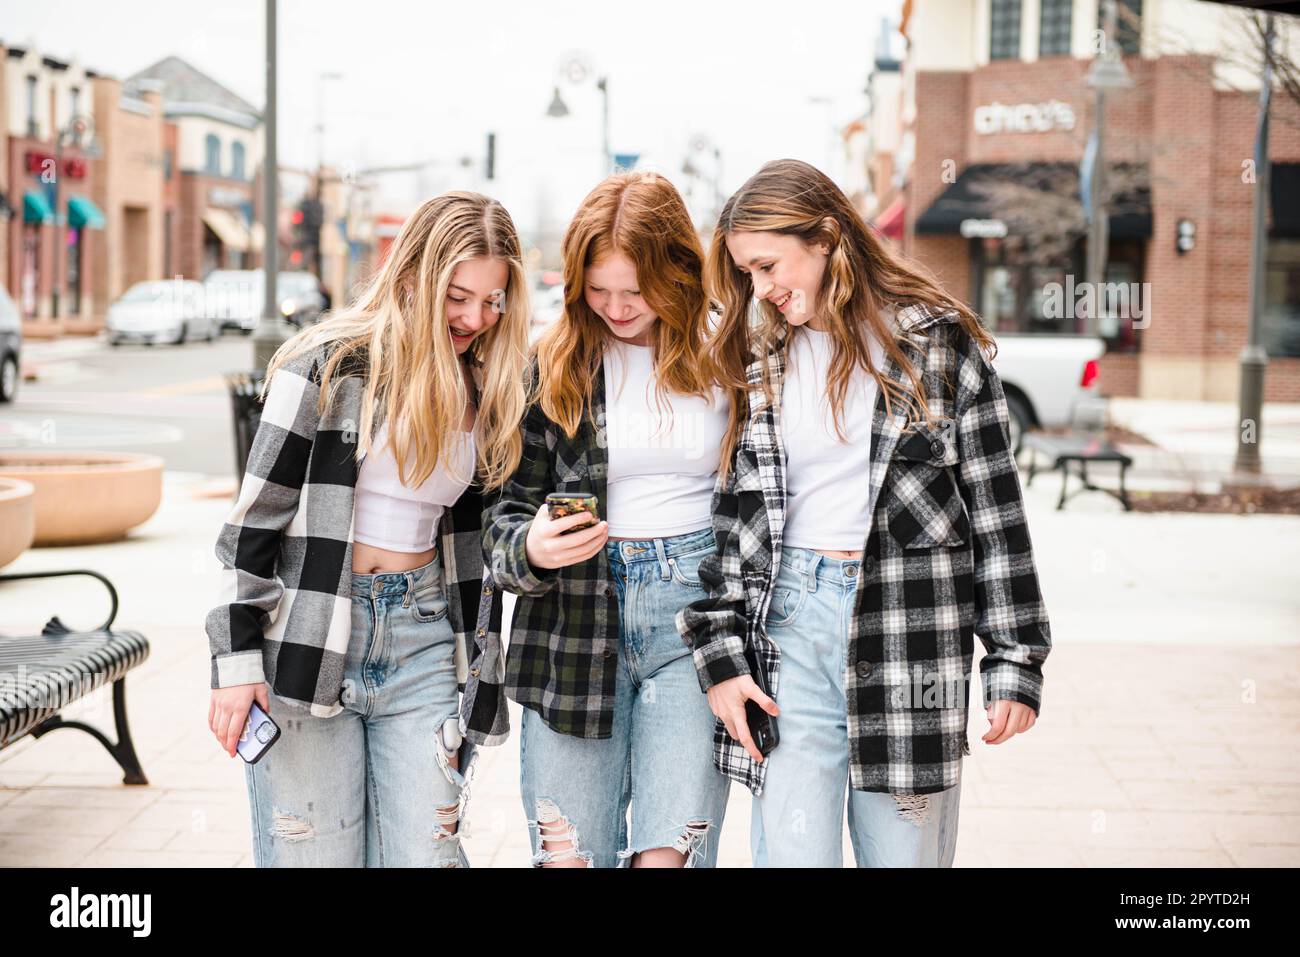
<point x="165" y="310"/>
<point x="300" y="297"/>
<point x="11" y="346"/>
<point x="1049" y="380"/>
<point x="233" y="297"/>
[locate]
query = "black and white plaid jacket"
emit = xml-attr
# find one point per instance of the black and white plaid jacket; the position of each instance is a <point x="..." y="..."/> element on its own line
<point x="286" y="552"/>
<point x="948" y="556"/>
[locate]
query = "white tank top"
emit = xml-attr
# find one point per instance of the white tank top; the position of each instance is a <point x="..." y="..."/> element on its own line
<point x="827" y="483"/>
<point x="390" y="515"/>
<point x="662" y="463"/>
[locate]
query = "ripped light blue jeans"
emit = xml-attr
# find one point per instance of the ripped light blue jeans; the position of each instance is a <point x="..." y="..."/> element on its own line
<point x="372" y="786"/>
<point x="798" y="821"/>
<point x="659" y="759"/>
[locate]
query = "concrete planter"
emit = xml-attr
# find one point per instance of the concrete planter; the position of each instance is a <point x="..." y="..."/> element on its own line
<point x="17" y="518"/>
<point x="83" y="498"/>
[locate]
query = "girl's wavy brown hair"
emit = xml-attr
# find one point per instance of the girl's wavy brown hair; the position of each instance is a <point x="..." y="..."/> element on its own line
<point x="862" y="278"/>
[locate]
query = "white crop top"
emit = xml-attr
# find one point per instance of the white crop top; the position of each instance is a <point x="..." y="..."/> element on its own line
<point x="390" y="515"/>
<point x="663" y="454"/>
<point x="827" y="482"/>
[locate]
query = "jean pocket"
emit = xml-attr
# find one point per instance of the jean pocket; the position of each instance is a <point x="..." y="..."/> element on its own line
<point x="686" y="568"/>
<point x="429" y="601"/>
<point x="785" y="605"/>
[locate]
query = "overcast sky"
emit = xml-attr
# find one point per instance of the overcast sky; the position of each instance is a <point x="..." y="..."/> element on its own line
<point x="427" y="81"/>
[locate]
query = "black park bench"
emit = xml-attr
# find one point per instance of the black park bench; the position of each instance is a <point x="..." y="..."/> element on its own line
<point x="1080" y="449"/>
<point x="42" y="674"/>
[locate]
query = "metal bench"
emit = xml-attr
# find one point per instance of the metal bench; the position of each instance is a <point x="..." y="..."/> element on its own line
<point x="42" y="674"/>
<point x="1079" y="448"/>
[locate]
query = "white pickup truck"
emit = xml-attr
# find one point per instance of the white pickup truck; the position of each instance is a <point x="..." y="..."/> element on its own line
<point x="1049" y="380"/>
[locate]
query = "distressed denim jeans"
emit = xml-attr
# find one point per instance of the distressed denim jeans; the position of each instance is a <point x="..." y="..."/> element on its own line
<point x="798" y="821"/>
<point x="372" y="786"/>
<point x="659" y="759"/>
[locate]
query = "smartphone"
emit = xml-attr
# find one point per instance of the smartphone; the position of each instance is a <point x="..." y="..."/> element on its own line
<point x="260" y="732"/>
<point x="560" y="504"/>
<point x="762" y="726"/>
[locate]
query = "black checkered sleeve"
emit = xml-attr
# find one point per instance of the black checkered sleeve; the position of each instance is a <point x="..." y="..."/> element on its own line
<point x="249" y="543"/>
<point x="715" y="626"/>
<point x="1011" y="619"/>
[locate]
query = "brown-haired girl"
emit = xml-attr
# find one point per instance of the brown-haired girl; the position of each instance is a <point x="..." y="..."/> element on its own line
<point x="869" y="523"/>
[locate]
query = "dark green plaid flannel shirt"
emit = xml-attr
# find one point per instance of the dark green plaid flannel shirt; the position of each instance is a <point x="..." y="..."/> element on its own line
<point x="563" y="654"/>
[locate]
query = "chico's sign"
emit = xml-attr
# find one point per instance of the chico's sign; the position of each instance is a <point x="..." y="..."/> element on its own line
<point x="1024" y="117"/>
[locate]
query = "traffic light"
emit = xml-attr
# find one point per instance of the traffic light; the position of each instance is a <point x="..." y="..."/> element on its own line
<point x="307" y="220"/>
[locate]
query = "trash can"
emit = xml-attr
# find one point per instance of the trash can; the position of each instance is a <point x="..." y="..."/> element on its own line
<point x="247" y="411"/>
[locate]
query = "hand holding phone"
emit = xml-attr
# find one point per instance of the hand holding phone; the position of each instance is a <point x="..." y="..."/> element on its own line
<point x="573" y="535"/>
<point x="260" y="732"/>
<point x="229" y="709"/>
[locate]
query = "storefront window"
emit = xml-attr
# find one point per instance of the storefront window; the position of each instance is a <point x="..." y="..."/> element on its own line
<point x="1019" y="295"/>
<point x="1281" y="320"/>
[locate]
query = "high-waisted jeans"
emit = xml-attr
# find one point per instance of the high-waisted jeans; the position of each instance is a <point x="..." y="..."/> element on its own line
<point x="659" y="759"/>
<point x="799" y="819"/>
<point x="373" y="785"/>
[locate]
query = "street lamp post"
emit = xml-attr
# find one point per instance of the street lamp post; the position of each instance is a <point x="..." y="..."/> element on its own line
<point x="75" y="131"/>
<point x="272" y="331"/>
<point x="575" y="70"/>
<point x="1254" y="357"/>
<point x="1107" y="73"/>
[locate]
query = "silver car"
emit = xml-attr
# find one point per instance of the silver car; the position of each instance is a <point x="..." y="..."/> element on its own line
<point x="168" y="310"/>
<point x="233" y="297"/>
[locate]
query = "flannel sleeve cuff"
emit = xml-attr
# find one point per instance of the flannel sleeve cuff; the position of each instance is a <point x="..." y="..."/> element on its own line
<point x="1011" y="681"/>
<point x="719" y="661"/>
<point x="237" y="668"/>
<point x="528" y="580"/>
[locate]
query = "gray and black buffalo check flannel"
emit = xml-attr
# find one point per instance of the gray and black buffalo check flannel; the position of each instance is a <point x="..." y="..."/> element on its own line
<point x="285" y="615"/>
<point x="948" y="556"/>
<point x="564" y="638"/>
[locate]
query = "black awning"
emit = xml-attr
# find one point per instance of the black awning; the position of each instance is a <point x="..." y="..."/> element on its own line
<point x="963" y="200"/>
<point x="1284" y="198"/>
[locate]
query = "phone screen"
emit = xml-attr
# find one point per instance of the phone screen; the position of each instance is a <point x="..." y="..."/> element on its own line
<point x="260" y="732"/>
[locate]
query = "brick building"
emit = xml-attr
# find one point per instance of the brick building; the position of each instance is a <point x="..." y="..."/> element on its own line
<point x="213" y="152"/>
<point x="53" y="228"/>
<point x="994" y="103"/>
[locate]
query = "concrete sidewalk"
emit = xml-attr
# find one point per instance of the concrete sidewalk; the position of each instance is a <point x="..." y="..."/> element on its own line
<point x="1170" y="732"/>
<point x="1195" y="443"/>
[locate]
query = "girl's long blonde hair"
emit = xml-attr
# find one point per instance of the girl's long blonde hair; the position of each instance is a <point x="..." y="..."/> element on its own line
<point x="642" y="216"/>
<point x="862" y="277"/>
<point x="396" y="334"/>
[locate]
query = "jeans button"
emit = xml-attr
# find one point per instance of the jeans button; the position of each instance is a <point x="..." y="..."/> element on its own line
<point x="851" y="571"/>
<point x="864" y="669"/>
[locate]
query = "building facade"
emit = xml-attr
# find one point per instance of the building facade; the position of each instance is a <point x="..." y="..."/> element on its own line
<point x="995" y="118"/>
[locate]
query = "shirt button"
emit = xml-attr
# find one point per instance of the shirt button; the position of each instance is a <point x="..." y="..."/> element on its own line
<point x="473" y="672"/>
<point x="607" y="653"/>
<point x="938" y="449"/>
<point x="481" y="633"/>
<point x="868" y="565"/>
<point x="864" y="669"/>
<point x="609" y="591"/>
<point x="487" y="589"/>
